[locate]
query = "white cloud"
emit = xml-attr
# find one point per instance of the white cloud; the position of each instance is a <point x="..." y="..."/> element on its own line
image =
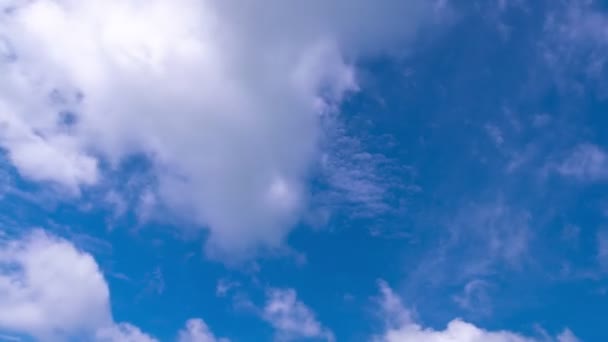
<point x="197" y="331"/>
<point x="586" y="162"/>
<point x="42" y="159"/>
<point x="49" y="289"/>
<point x="52" y="291"/>
<point x="456" y="331"/>
<point x="291" y="318"/>
<point x="123" y="332"/>
<point x="223" y="97"/>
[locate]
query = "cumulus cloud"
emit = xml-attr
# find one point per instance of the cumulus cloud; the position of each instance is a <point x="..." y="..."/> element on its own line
<point x="38" y="275"/>
<point x="197" y="331"/>
<point x="291" y="318"/>
<point x="52" y="291"/>
<point x="223" y="97"/>
<point x="456" y="331"/>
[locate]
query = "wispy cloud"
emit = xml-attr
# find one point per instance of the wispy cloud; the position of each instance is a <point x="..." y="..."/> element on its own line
<point x="478" y="238"/>
<point x="196" y="330"/>
<point x="602" y="249"/>
<point x="586" y="162"/>
<point x="575" y="43"/>
<point x="475" y="297"/>
<point x="358" y="177"/>
<point x="291" y="318"/>
<point x="224" y="286"/>
<point x="392" y="308"/>
<point x="495" y="133"/>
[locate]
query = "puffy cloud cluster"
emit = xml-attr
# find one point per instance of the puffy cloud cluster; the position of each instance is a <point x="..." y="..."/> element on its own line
<point x="223" y="97"/>
<point x="405" y="329"/>
<point x="52" y="291"/>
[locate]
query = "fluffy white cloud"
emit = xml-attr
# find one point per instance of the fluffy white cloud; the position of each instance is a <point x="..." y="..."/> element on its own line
<point x="223" y="96"/>
<point x="291" y="318"/>
<point x="52" y="291"/>
<point x="456" y="331"/>
<point x="49" y="289"/>
<point x="197" y="331"/>
<point x="407" y="330"/>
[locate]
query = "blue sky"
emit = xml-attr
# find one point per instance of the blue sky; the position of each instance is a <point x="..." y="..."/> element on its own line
<point x="383" y="171"/>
